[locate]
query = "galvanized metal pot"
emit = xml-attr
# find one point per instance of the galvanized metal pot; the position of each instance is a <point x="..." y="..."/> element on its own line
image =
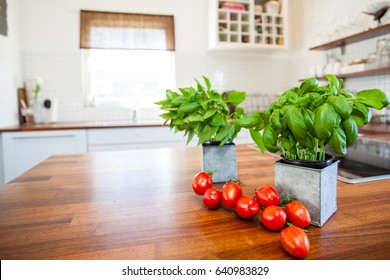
<point x="222" y="160"/>
<point x="316" y="188"/>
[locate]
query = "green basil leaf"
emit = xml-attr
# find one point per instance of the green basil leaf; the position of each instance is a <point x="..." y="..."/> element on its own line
<point x="334" y="84"/>
<point x="190" y="136"/>
<point x="194" y="118"/>
<point x="209" y="113"/>
<point x="351" y="130"/>
<point x="215" y="96"/>
<point x="179" y="100"/>
<point x="204" y="134"/>
<point x="292" y="97"/>
<point x="373" y="98"/>
<point x="282" y="99"/>
<point x="248" y="121"/>
<point x="341" y="105"/>
<point x="303" y="100"/>
<point x="188" y="107"/>
<point x="236" y="97"/>
<point x="213" y="131"/>
<point x="178" y="122"/>
<point x="346" y="93"/>
<point x="324" y="121"/>
<point x="296" y="122"/>
<point x="171" y="94"/>
<point x="258" y="139"/>
<point x="169" y="108"/>
<point x="275" y="119"/>
<point x="222" y="132"/>
<point x="341" y="82"/>
<point x="204" y="105"/>
<point x="199" y="86"/>
<point x="309" y="120"/>
<point x="307" y="142"/>
<point x="316" y="100"/>
<point x="188" y="91"/>
<point x="289" y="144"/>
<point x="270" y="139"/>
<point x="309" y="84"/>
<point x="167" y="116"/>
<point x="338" y="142"/>
<point x="217" y="120"/>
<point x="360" y="113"/>
<point x="162" y="102"/>
<point x="207" y="81"/>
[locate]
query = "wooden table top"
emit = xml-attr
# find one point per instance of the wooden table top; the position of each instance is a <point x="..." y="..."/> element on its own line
<point x="140" y="205"/>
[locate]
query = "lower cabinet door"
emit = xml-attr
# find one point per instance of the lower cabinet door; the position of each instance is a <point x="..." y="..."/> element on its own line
<point x="23" y="150"/>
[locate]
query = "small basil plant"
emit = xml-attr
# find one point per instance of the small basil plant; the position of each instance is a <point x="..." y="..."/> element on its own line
<point x="202" y="111"/>
<point x="307" y="119"/>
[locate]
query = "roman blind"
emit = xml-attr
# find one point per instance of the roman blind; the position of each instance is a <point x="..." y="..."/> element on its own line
<point x="107" y="30"/>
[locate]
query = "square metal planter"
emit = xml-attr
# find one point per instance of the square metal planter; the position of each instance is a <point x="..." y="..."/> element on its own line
<point x="222" y="160"/>
<point x="315" y="188"/>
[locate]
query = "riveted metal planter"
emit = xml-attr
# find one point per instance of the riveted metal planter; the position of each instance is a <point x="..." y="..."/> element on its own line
<point x="315" y="188"/>
<point x="222" y="160"/>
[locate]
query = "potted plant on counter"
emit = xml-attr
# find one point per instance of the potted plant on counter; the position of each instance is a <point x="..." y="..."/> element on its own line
<point x="202" y="111"/>
<point x="303" y="124"/>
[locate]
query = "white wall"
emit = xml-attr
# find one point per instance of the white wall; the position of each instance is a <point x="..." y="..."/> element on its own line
<point x="10" y="68"/>
<point x="50" y="47"/>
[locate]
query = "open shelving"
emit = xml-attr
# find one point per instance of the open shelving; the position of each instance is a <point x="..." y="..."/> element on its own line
<point x="237" y="25"/>
<point x="354" y="38"/>
<point x="361" y="36"/>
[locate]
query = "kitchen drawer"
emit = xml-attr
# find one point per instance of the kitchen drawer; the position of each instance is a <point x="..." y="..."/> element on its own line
<point x="23" y="150"/>
<point x="113" y="139"/>
<point x="135" y="146"/>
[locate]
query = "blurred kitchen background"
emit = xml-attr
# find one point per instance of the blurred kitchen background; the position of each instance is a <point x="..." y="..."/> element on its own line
<point x="43" y="40"/>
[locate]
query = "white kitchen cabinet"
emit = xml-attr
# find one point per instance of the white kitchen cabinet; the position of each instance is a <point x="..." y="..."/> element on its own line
<point x="249" y="28"/>
<point x="110" y="139"/>
<point x="23" y="150"/>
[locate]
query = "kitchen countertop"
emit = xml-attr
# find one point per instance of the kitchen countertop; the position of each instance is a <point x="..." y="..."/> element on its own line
<point x="375" y="128"/>
<point x="81" y="125"/>
<point x="367" y="129"/>
<point x="139" y="204"/>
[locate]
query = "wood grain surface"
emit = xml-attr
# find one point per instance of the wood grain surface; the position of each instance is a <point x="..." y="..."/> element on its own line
<point x="140" y="205"/>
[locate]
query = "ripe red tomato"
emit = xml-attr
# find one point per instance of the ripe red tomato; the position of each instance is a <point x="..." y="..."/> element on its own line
<point x="295" y="241"/>
<point x="201" y="182"/>
<point x="231" y="192"/>
<point x="247" y="207"/>
<point x="298" y="214"/>
<point x="273" y="217"/>
<point x="267" y="195"/>
<point x="212" y="198"/>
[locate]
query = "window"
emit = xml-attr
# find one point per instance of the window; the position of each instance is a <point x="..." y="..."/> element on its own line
<point x="127" y="59"/>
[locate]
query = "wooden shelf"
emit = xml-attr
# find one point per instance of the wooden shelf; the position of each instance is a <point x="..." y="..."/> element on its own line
<point x="365" y="73"/>
<point x="368" y="34"/>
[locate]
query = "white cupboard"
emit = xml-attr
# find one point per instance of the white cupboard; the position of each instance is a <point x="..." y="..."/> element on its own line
<point x="23" y="150"/>
<point x="114" y="139"/>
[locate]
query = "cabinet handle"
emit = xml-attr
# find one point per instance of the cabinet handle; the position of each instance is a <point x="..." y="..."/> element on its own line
<point x="43" y="137"/>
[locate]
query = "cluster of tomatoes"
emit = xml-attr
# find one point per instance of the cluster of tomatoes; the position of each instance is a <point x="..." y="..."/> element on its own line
<point x="290" y="219"/>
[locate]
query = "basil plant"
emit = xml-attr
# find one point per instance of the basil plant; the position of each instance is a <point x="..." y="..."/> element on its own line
<point x="203" y="112"/>
<point x="306" y="119"/>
